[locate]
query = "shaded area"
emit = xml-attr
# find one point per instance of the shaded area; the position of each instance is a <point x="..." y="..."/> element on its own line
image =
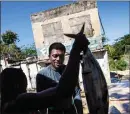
<point x="122" y="84"/>
<point x="114" y="110"/>
<point x="126" y="106"/>
<point x="119" y="95"/>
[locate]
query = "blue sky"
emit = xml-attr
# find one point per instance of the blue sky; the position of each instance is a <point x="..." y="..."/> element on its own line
<point x="15" y="16"/>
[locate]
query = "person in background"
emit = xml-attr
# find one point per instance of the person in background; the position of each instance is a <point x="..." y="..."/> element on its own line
<point x="50" y="76"/>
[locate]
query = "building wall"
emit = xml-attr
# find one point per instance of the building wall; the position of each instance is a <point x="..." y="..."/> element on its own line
<point x="30" y="71"/>
<point x="49" y="26"/>
<point x="102" y="58"/>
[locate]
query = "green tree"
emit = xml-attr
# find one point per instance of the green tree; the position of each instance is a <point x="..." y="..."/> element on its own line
<point x="10" y="51"/>
<point x="120" y="45"/>
<point x="9" y="37"/>
<point x="116" y="53"/>
<point x="4" y="50"/>
<point x="111" y="56"/>
<point x="8" y="47"/>
<point x="111" y="51"/>
<point x="28" y="51"/>
<point x="121" y="64"/>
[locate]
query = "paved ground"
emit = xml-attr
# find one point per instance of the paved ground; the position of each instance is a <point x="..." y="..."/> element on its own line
<point x="119" y="95"/>
<point x="119" y="98"/>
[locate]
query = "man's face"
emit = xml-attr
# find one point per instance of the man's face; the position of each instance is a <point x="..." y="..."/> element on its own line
<point x="57" y="58"/>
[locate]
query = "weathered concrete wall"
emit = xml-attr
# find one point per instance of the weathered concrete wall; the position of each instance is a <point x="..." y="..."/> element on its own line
<point x="49" y="26"/>
<point x="30" y="71"/>
<point x="63" y="11"/>
<point x="102" y="58"/>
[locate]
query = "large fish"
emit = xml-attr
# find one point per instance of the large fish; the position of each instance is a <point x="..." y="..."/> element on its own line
<point x="94" y="82"/>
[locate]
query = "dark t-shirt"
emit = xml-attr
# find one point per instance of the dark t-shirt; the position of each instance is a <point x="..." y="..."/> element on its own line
<point x="48" y="77"/>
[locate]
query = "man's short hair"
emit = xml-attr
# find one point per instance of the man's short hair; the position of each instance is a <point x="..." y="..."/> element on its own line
<point x="58" y="46"/>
